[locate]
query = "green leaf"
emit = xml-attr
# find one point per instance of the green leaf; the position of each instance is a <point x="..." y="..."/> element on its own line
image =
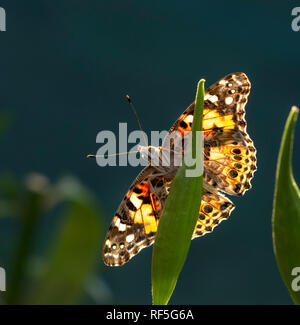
<point x="72" y="258"/>
<point x="29" y="209"/>
<point x="286" y="210"/>
<point x="179" y="216"/>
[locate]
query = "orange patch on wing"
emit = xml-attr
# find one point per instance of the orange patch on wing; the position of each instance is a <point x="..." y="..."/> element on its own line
<point x="150" y="222"/>
<point x="136" y="216"/>
<point x="213" y="119"/>
<point x="144" y="213"/>
<point x="146" y="217"/>
<point x="144" y="188"/>
<point x="188" y="120"/>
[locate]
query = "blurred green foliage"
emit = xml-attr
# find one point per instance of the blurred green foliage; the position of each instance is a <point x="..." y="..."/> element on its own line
<point x="71" y="260"/>
<point x="286" y="210"/>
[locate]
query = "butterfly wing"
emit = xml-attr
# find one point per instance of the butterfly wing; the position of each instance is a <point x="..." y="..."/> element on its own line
<point x="214" y="208"/>
<point x="229" y="153"/>
<point x="135" y="222"/>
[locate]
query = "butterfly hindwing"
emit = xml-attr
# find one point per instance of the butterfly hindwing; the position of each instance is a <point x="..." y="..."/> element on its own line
<point x="214" y="208"/>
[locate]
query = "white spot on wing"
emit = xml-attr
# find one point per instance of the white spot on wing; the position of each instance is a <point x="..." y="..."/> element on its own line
<point x="189" y="119"/>
<point x="213" y="98"/>
<point x="130" y="238"/>
<point x="136" y="202"/>
<point x="228" y="100"/>
<point x="122" y="227"/>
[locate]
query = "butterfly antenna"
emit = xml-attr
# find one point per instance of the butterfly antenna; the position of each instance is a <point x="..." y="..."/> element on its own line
<point x="140" y="127"/>
<point x="136" y="116"/>
<point x="113" y="154"/>
<point x="134" y="112"/>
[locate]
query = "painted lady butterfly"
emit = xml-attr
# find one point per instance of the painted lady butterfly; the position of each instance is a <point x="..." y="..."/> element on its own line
<point x="229" y="163"/>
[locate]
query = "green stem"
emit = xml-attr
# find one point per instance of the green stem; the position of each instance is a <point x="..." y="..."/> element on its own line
<point x="179" y="217"/>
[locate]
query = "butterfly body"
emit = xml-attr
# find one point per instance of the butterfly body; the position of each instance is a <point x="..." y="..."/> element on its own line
<point x="229" y="163"/>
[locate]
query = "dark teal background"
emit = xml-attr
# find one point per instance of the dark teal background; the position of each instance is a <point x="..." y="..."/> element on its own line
<point x="65" y="68"/>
